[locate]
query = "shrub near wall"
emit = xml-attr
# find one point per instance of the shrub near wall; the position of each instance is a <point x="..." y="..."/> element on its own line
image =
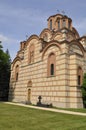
<point x="84" y="90"/>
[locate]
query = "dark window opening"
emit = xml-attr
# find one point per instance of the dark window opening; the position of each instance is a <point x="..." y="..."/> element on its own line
<point x="50" y="24"/>
<point x="52" y="69"/>
<point x="79" y="80"/>
<point x="58" y="24"/>
<point x="16" y="76"/>
<point x="69" y="25"/>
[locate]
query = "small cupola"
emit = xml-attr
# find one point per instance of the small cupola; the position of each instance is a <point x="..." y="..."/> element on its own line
<point x="59" y="21"/>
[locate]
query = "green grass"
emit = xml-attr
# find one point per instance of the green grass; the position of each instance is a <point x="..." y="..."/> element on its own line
<point x="82" y="110"/>
<point x="21" y="118"/>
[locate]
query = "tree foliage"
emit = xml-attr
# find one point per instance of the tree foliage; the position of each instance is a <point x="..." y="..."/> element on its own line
<point x="5" y="63"/>
<point x="84" y="90"/>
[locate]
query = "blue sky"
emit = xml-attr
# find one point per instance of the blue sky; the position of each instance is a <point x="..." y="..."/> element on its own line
<point x="19" y="18"/>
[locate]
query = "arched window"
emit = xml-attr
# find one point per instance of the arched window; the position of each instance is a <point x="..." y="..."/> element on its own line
<point x="79" y="76"/>
<point x="51" y="64"/>
<point x="31" y="54"/>
<point x="16" y="72"/>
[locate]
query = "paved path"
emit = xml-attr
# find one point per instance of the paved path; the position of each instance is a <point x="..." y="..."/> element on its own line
<point x="48" y="109"/>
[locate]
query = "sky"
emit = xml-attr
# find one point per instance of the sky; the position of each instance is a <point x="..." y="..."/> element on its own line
<point x="21" y="18"/>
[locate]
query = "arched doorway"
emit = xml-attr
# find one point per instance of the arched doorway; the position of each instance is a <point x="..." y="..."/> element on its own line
<point x="29" y="86"/>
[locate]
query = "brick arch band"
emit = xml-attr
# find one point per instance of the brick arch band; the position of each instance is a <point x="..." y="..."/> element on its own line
<point x="51" y="44"/>
<point x="15" y="60"/>
<point x="78" y="44"/>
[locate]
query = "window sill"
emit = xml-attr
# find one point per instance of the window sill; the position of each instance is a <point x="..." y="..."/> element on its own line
<point x="79" y="86"/>
<point x="50" y="76"/>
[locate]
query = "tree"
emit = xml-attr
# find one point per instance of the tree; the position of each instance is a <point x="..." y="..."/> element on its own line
<point x="84" y="90"/>
<point x="8" y="59"/>
<point x="5" y="63"/>
<point x="1" y="52"/>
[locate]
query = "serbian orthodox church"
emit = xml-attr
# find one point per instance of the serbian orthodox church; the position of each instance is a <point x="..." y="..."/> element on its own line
<point x="50" y="65"/>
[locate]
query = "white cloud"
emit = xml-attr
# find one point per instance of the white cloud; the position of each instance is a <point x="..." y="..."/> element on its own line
<point x="7" y="40"/>
<point x="11" y="44"/>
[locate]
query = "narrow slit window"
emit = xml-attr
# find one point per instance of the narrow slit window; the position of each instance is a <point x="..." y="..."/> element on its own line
<point x="64" y="23"/>
<point x="58" y="24"/>
<point x="17" y="72"/>
<point x="52" y="69"/>
<point x="31" y="54"/>
<point x="50" y="24"/>
<point x="69" y="24"/>
<point x="79" y="76"/>
<point x="79" y="79"/>
<point x="16" y="76"/>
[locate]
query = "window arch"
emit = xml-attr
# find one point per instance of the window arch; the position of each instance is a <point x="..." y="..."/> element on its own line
<point x="16" y="72"/>
<point x="79" y="76"/>
<point x="29" y="85"/>
<point x="31" y="53"/>
<point x="51" y="64"/>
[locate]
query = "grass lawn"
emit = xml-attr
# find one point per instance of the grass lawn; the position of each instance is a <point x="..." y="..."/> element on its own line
<point x="82" y="110"/>
<point x="21" y="118"/>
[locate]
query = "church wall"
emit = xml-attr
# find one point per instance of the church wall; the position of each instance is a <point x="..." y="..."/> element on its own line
<point x="60" y="90"/>
<point x="27" y="72"/>
<point x="52" y="89"/>
<point x="75" y="90"/>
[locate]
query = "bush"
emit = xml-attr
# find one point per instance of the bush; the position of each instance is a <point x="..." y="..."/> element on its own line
<point x="84" y="90"/>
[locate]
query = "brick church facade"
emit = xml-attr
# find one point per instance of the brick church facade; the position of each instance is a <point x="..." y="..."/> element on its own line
<point x="50" y="65"/>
